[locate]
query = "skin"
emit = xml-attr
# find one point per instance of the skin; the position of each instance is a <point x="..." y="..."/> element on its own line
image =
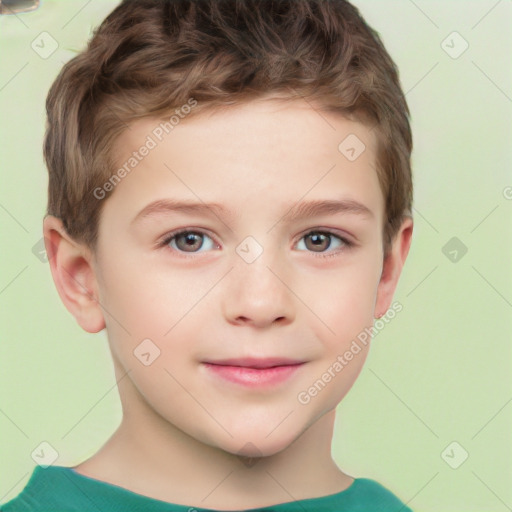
<point x="185" y="433"/>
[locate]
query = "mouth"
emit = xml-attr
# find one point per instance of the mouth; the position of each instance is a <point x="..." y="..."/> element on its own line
<point x="256" y="363"/>
<point x="252" y="372"/>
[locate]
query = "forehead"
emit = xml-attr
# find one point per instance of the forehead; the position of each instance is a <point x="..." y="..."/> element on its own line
<point x="257" y="123"/>
<point x="265" y="151"/>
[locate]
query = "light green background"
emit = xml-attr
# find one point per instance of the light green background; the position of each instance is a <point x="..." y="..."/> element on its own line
<point x="439" y="372"/>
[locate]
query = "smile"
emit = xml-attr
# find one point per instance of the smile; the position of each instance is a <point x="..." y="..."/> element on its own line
<point x="253" y="377"/>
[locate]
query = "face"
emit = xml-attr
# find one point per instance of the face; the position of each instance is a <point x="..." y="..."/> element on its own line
<point x="259" y="275"/>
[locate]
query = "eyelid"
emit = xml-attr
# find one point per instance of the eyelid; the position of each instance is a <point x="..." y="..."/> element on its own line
<point x="166" y="239"/>
<point x="346" y="239"/>
<point x="329" y="231"/>
<point x="343" y="235"/>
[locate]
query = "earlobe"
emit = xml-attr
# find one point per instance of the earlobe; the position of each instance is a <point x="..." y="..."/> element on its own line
<point x="392" y="268"/>
<point x="73" y="274"/>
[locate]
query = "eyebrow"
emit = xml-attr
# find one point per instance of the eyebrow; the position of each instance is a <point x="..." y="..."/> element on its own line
<point x="296" y="212"/>
<point x="327" y="207"/>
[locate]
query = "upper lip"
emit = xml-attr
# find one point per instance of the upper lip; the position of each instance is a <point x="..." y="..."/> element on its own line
<point x="252" y="362"/>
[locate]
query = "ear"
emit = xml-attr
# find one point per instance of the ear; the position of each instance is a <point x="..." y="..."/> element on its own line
<point x="392" y="267"/>
<point x="73" y="274"/>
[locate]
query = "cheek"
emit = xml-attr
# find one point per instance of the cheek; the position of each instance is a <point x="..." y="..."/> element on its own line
<point x="345" y="307"/>
<point x="147" y="302"/>
<point x="163" y="306"/>
<point x="344" y="302"/>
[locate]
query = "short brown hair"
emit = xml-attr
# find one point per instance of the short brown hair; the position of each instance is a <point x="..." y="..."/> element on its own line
<point x="150" y="56"/>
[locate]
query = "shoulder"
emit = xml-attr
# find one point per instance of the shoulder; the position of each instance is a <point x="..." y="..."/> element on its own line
<point x="47" y="489"/>
<point x="370" y="494"/>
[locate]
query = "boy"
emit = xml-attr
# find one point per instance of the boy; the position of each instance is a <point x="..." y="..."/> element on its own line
<point x="272" y="140"/>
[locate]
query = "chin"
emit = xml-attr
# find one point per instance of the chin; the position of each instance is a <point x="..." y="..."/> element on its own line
<point x="257" y="443"/>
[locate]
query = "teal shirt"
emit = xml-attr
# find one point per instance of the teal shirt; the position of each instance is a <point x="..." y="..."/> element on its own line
<point x="62" y="489"/>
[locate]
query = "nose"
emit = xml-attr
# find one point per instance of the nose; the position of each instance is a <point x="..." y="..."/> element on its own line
<point x="258" y="293"/>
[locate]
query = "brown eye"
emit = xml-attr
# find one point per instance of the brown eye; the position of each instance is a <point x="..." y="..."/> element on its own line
<point x="320" y="241"/>
<point x="188" y="241"/>
<point x="191" y="241"/>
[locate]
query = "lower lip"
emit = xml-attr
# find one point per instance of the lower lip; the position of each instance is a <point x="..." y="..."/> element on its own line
<point x="254" y="377"/>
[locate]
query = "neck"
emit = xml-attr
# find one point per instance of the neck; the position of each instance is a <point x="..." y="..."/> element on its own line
<point x="167" y="464"/>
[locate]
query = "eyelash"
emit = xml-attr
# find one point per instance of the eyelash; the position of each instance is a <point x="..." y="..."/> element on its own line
<point x="170" y="236"/>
